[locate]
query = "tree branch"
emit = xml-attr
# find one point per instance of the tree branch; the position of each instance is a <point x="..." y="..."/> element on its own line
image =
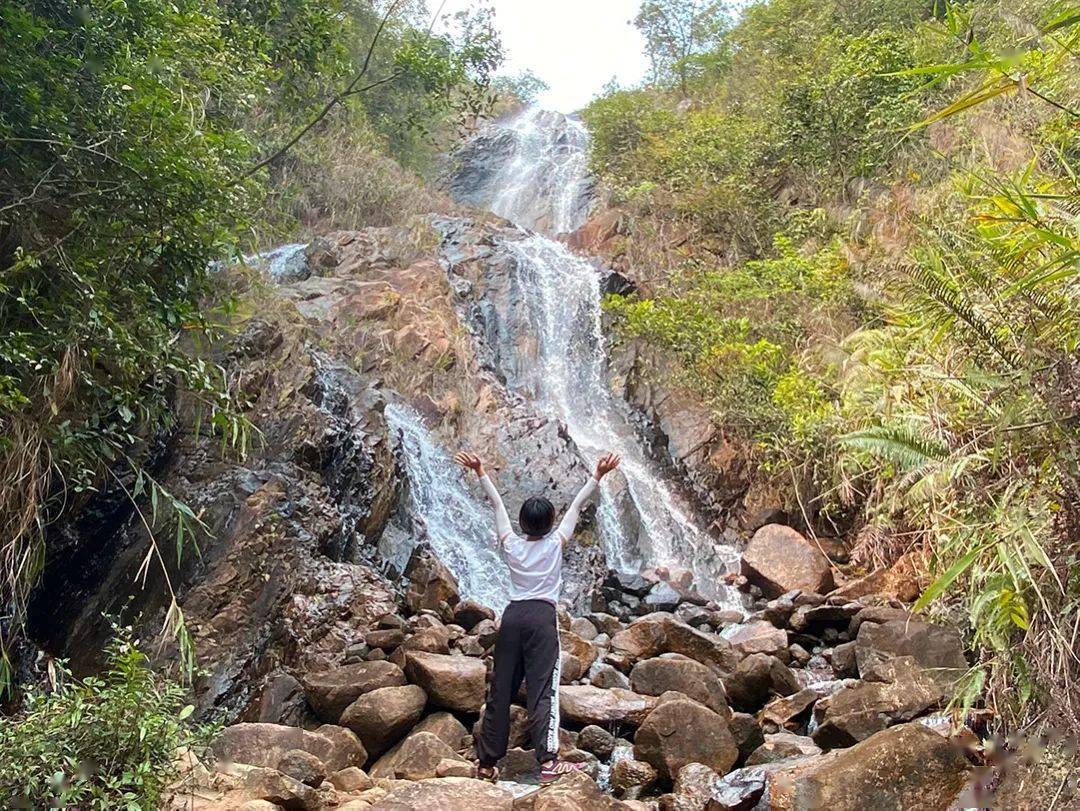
<point x="350" y="90"/>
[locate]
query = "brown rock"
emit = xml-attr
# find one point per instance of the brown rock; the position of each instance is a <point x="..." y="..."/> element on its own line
<point x="571" y="643"/>
<point x="486" y="632"/>
<point x="384" y="640"/>
<point x="351" y="780"/>
<point x="788" y="712"/>
<point x="302" y="766"/>
<point x="454" y="682"/>
<point x="431" y="584"/>
<point x="757" y="677"/>
<point x="659" y="633"/>
<point x="932" y="646"/>
<point x="455" y="767"/>
<point x="604" y="675"/>
<point x="446" y="794"/>
<point x="596" y="740"/>
<point x="573" y="792"/>
<point x="907" y="768"/>
<point x="432" y="640"/>
<point x="653" y="677"/>
<point x="747" y="733"/>
<point x="629" y="778"/>
<point x="757" y="637"/>
<point x="783" y="745"/>
<point x="420" y="755"/>
<point x="779" y="559"/>
<point x="265" y="745"/>
<point x="468" y="613"/>
<point x="584" y="628"/>
<point x="585" y="704"/>
<point x="280" y="789"/>
<point x="680" y="732"/>
<point x="380" y="718"/>
<point x="442" y="725"/>
<point x="693" y="786"/>
<point x="331" y="691"/>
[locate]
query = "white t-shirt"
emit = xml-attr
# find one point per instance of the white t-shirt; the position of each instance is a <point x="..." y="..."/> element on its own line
<point x="535" y="566"/>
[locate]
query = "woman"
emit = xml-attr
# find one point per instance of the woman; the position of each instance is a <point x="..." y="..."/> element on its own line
<point x="528" y="643"/>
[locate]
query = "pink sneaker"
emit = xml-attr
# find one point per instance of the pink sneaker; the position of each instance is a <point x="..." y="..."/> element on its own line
<point x="554" y="769"/>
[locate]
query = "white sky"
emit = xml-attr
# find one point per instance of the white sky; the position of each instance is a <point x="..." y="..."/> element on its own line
<point x="576" y="46"/>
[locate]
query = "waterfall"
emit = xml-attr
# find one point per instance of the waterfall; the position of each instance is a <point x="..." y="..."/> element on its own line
<point x="459" y="526"/>
<point x="542" y="180"/>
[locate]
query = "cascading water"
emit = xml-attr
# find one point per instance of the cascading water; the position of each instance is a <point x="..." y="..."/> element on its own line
<point x="545" y="163"/>
<point x="459" y="526"/>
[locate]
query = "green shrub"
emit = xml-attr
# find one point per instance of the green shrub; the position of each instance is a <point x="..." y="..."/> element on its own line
<point x="103" y="742"/>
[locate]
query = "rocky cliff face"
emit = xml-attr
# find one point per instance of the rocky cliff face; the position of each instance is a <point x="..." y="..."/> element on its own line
<point x="295" y="562"/>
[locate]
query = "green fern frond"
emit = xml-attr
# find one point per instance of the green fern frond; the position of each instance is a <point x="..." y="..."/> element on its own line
<point x="902" y="445"/>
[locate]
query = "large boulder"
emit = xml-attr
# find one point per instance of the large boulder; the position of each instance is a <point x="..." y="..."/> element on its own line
<point x="892" y="692"/>
<point x="574" y="792"/>
<point x="420" y="756"/>
<point x="577" y="647"/>
<point x="778" y="559"/>
<point x="659" y="633"/>
<point x="380" y="718"/>
<point x="932" y="646"/>
<point x="266" y="744"/>
<point x="758" y="636"/>
<point x="682" y="731"/>
<point x="431" y="584"/>
<point x="442" y="725"/>
<point x="906" y="768"/>
<point x="756" y="678"/>
<point x="329" y="692"/>
<point x="781" y="746"/>
<point x="672" y="671"/>
<point x="454" y="682"/>
<point x="630" y="777"/>
<point x="446" y="794"/>
<point x="585" y="704"/>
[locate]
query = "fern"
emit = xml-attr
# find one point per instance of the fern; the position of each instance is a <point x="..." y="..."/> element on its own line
<point x="901" y="445"/>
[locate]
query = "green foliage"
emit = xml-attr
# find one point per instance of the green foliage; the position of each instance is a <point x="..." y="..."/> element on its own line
<point x="103" y="742"/>
<point x="128" y="136"/>
<point x="680" y="36"/>
<point x="905" y="354"/>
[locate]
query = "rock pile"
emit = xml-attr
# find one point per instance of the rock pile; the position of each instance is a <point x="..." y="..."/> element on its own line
<point x="805" y="700"/>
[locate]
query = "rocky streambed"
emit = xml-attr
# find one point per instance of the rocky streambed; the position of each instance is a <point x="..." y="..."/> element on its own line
<point x="810" y="701"/>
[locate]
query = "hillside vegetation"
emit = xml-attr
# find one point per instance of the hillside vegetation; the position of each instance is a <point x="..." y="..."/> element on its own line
<point x="141" y="143"/>
<point x="855" y="227"/>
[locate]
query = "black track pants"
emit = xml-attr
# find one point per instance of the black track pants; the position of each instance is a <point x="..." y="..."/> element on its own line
<point x="527" y="647"/>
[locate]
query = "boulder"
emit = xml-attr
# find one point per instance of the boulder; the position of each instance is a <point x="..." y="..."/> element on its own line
<point x="331" y="691"/>
<point x="604" y="675"/>
<point x="596" y="740"/>
<point x="351" y="780"/>
<point x="747" y="733"/>
<point x="903" y="692"/>
<point x="782" y="745"/>
<point x="932" y="646"/>
<point x="573" y="792"/>
<point x="789" y="712"/>
<point x="692" y="787"/>
<point x="272" y="786"/>
<point x="519" y="723"/>
<point x="757" y="636"/>
<point x="779" y="559"/>
<point x="420" y="755"/>
<point x="582" y="650"/>
<point x="380" y="718"/>
<point x="385" y="640"/>
<point x="266" y="744"/>
<point x="455" y="767"/>
<point x="844" y="662"/>
<point x="757" y="677"/>
<point x="682" y="731"/>
<point x="486" y="632"/>
<point x="737" y="791"/>
<point x="907" y="767"/>
<point x="469" y="613"/>
<point x="585" y="704"/>
<point x="302" y="766"/>
<point x="453" y="682"/>
<point x="662" y="597"/>
<point x="435" y="639"/>
<point x="431" y="583"/>
<point x="446" y="794"/>
<point x="659" y="633"/>
<point x="584" y="629"/>
<point x="653" y="677"/>
<point x="442" y="725"/>
<point x="629" y="778"/>
<point x="878" y="614"/>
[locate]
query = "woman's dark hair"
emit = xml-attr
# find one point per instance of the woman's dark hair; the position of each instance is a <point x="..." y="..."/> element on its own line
<point x="536" y="516"/>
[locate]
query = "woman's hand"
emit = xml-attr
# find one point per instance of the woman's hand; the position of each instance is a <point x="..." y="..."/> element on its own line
<point x="607" y="463"/>
<point x="471" y="461"/>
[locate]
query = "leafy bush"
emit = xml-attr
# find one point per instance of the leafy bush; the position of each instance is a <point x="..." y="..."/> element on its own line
<point x="104" y="742"/>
